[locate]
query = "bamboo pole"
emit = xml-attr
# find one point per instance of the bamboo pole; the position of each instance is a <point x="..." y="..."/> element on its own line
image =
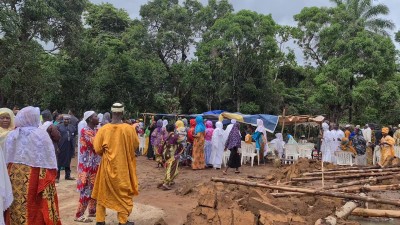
<point x="350" y="168"/>
<point x="370" y="188"/>
<point x="342" y="176"/>
<point x="283" y="116"/>
<point x="365" y="181"/>
<point x="352" y="171"/>
<point x="376" y="213"/>
<point x="307" y="191"/>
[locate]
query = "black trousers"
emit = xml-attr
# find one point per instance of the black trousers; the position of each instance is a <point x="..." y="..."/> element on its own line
<point x="67" y="172"/>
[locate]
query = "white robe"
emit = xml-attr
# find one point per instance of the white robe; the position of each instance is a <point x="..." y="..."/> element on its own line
<point x="81" y="125"/>
<point x="337" y="136"/>
<point x="6" y="194"/>
<point x="218" y="146"/>
<point x="367" y="134"/>
<point x="326" y="146"/>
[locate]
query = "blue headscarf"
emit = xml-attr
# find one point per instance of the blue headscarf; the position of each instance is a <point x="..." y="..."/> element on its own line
<point x="200" y="127"/>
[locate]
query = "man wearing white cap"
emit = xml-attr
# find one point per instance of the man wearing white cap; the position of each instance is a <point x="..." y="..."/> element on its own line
<point x="87" y="167"/>
<point x="116" y="181"/>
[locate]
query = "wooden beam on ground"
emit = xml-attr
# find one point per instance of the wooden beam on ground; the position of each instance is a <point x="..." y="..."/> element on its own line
<point x="396" y="169"/>
<point x="358" y="175"/>
<point x="369" y="188"/>
<point x="376" y="213"/>
<point x="307" y="191"/>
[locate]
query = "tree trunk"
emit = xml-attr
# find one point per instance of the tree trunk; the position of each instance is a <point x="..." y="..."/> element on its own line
<point x="307" y="191"/>
<point x="370" y="188"/>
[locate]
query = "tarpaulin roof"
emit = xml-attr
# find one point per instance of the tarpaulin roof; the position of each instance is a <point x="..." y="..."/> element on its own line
<point x="290" y="120"/>
<point x="270" y="121"/>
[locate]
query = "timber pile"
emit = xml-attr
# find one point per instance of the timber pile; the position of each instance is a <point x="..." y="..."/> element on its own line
<point x="269" y="200"/>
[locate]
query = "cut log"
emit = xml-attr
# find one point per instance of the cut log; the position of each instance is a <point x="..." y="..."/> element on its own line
<point x="307" y="191"/>
<point x="370" y="188"/>
<point x="376" y="213"/>
<point x="352" y="171"/>
<point x="365" y="181"/>
<point x="343" y="212"/>
<point x="343" y="176"/>
<point x="255" y="177"/>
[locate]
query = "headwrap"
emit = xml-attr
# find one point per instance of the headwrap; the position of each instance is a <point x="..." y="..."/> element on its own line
<point x="179" y="124"/>
<point x="199" y="125"/>
<point x="260" y="126"/>
<point x="234" y="138"/>
<point x="209" y="124"/>
<point x="106" y="118"/>
<point x="279" y="143"/>
<point x="88" y="114"/>
<point x="385" y="130"/>
<point x="192" y="123"/>
<point x="185" y="122"/>
<point x="325" y="126"/>
<point x="100" y="116"/>
<point x="4" y="132"/>
<point x="164" y="123"/>
<point x="159" y="125"/>
<point x="209" y="130"/>
<point x="66" y="116"/>
<point x="117" y="107"/>
<point x="28" y="144"/>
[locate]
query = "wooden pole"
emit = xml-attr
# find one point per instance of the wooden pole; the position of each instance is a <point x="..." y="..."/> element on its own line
<point x="352" y="171"/>
<point x="350" y="168"/>
<point x="376" y="213"/>
<point x="343" y="176"/>
<point x="370" y="188"/>
<point x="365" y="181"/>
<point x="283" y="116"/>
<point x="307" y="191"/>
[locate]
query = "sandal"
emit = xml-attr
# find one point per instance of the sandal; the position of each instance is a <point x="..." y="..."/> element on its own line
<point x="165" y="187"/>
<point x="83" y="219"/>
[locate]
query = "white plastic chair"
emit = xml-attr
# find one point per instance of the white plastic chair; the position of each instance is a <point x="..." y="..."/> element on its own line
<point x="397" y="151"/>
<point x="291" y="153"/>
<point x="376" y="157"/>
<point x="305" y="153"/>
<point x="249" y="150"/>
<point x="142" y="141"/>
<point x="225" y="157"/>
<point x="344" y="158"/>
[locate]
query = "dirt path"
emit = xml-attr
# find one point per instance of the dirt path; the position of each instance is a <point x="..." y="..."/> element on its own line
<point x="152" y="203"/>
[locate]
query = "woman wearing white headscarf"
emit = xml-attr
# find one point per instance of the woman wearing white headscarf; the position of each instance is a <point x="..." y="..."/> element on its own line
<point x="32" y="167"/>
<point x="218" y="146"/>
<point x="260" y="128"/>
<point x="6" y="195"/>
<point x="279" y="144"/>
<point x="326" y="143"/>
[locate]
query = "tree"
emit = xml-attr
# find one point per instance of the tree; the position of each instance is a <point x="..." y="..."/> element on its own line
<point x="240" y="49"/>
<point x="346" y="51"/>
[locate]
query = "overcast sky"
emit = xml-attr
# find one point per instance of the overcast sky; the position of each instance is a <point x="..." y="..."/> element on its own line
<point x="281" y="10"/>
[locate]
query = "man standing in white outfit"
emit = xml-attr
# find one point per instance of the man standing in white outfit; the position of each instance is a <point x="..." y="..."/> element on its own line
<point x="367" y="132"/>
<point x="337" y="136"/>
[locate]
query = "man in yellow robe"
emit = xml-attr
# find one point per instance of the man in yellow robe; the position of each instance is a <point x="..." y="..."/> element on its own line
<point x="387" y="145"/>
<point x="116" y="181"/>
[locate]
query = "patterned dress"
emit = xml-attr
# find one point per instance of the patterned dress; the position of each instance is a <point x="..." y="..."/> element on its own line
<point x="158" y="136"/>
<point x="208" y="143"/>
<point x="88" y="165"/>
<point x="198" y="152"/>
<point x="172" y="151"/>
<point x="35" y="196"/>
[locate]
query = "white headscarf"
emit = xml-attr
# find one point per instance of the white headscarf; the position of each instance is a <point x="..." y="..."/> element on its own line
<point x="28" y="144"/>
<point x="164" y="123"/>
<point x="278" y="142"/>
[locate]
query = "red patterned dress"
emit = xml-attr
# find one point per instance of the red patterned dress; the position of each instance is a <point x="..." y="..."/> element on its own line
<point x="88" y="165"/>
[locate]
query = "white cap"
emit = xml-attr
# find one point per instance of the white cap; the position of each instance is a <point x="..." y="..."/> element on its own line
<point x="117" y="107"/>
<point x="347" y="125"/>
<point x="87" y="114"/>
<point x="358" y="126"/>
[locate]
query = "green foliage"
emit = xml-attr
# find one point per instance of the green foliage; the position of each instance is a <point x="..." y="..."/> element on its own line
<point x="186" y="57"/>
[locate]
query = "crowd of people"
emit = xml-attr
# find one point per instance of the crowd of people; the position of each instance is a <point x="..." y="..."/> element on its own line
<point x="36" y="146"/>
<point x="359" y="141"/>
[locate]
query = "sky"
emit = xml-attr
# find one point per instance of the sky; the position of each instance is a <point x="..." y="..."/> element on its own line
<point x="282" y="11"/>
